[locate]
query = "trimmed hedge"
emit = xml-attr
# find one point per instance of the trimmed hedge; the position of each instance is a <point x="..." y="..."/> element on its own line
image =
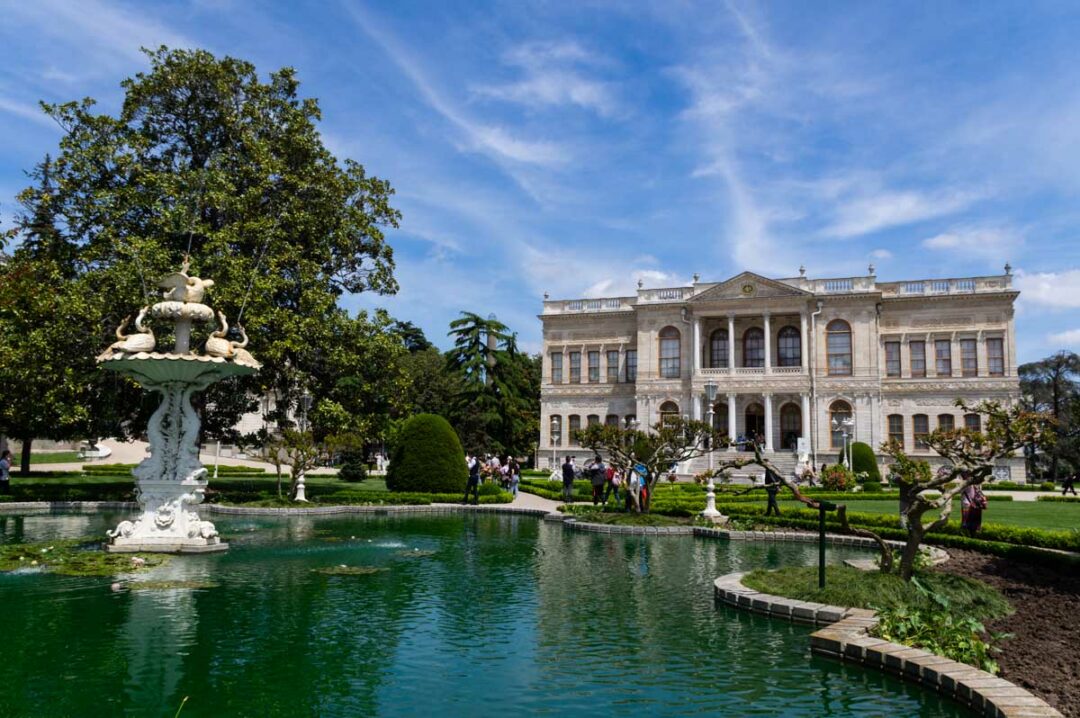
<point x="864" y="460"/>
<point x="427" y="457"/>
<point x="1061" y="499"/>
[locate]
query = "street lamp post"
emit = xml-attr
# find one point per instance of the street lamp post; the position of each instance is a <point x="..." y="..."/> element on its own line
<point x="556" y="438"/>
<point x="305" y="405"/>
<point x="710" y="511"/>
<point x="846" y="428"/>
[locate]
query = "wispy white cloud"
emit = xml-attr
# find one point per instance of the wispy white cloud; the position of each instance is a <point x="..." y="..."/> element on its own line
<point x="1068" y="338"/>
<point x="553" y="76"/>
<point x="875" y="212"/>
<point x="495" y="141"/>
<point x="1054" y="290"/>
<point x="32" y="113"/>
<point x="986" y="242"/>
<point x="881" y="254"/>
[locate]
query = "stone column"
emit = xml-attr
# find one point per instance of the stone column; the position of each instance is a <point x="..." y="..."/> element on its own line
<point x="697" y="345"/>
<point x="731" y="344"/>
<point x="731" y="428"/>
<point x="768" y="345"/>
<point x="804" y="347"/>
<point x="768" y="422"/>
<point x="806" y="419"/>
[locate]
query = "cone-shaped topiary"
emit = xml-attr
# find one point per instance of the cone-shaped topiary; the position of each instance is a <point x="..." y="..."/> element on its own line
<point x="863" y="460"/>
<point x="427" y="456"/>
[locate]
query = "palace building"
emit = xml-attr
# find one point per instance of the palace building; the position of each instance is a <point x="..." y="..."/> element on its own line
<point x="804" y="365"/>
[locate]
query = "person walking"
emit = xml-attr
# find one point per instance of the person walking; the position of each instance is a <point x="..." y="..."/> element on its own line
<point x="5" y="472"/>
<point x="515" y="475"/>
<point x="568" y="480"/>
<point x="1068" y="484"/>
<point x="972" y="503"/>
<point x="473" y="484"/>
<point x="597" y="477"/>
<point x="613" y="478"/>
<point x="772" y="488"/>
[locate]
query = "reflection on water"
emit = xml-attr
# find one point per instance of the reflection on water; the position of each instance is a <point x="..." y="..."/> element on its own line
<point x="476" y="615"/>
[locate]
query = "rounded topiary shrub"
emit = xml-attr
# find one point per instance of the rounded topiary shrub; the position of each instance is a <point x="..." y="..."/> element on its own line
<point x="427" y="456"/>
<point x="864" y="461"/>
<point x="352" y="466"/>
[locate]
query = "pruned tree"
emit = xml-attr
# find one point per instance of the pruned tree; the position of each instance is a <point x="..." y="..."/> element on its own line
<point x="731" y="463"/>
<point x="658" y="450"/>
<point x="971" y="456"/>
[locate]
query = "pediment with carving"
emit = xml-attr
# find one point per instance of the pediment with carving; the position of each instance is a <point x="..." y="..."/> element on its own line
<point x="748" y="285"/>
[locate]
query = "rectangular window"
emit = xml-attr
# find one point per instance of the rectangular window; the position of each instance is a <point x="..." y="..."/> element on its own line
<point x="575" y="368"/>
<point x="918" y="358"/>
<point x="594" y="367"/>
<point x="995" y="356"/>
<point x="969" y="360"/>
<point x="973" y="422"/>
<point x="556" y="368"/>
<point x="920" y="424"/>
<point x="943" y="357"/>
<point x="631" y="364"/>
<point x="892" y="358"/>
<point x="613" y="367"/>
<point x="669" y="358"/>
<point x="896" y="429"/>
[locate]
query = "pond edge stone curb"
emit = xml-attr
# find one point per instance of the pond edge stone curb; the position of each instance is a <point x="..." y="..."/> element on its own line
<point x="845" y="635"/>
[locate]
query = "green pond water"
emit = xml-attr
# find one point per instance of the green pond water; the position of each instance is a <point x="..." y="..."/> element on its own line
<point x="476" y="615"/>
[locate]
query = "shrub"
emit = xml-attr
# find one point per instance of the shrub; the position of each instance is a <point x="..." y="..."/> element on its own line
<point x="863" y="460"/>
<point x="872" y="487"/>
<point x="1064" y="499"/>
<point x="1047" y="486"/>
<point x="427" y="456"/>
<point x="353" y="468"/>
<point x="837" y="478"/>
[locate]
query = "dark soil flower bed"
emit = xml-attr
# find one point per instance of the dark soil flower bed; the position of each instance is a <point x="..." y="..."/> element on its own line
<point x="1043" y="655"/>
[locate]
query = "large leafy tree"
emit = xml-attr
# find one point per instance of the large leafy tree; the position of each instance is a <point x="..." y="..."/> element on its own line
<point x="204" y="158"/>
<point x="1052" y="385"/>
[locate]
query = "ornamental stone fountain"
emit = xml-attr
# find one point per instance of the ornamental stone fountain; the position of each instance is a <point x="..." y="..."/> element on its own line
<point x="171" y="481"/>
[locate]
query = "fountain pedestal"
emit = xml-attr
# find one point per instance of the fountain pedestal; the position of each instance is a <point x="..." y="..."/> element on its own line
<point x="171" y="481"/>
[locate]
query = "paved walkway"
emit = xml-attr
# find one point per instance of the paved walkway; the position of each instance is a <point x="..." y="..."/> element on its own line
<point x="532" y="501"/>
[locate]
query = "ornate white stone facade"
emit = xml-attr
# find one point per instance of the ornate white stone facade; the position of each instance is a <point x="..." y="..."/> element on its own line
<point x="786" y="356"/>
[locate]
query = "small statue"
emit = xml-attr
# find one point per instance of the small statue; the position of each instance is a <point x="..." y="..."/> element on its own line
<point x="141" y="341"/>
<point x="218" y="346"/>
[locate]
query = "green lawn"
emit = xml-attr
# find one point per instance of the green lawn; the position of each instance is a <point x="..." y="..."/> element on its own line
<point x="54" y="457"/>
<point x="1030" y="514"/>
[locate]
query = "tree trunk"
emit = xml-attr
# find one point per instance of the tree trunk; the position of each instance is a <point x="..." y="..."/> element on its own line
<point x="911" y="550"/>
<point x="24" y="463"/>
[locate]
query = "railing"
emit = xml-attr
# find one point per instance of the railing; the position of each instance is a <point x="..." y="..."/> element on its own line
<point x="588" y="305"/>
<point x="946" y="286"/>
<point x="838" y="285"/>
<point x="788" y="370"/>
<point x="753" y="371"/>
<point x="913" y="287"/>
<point x="749" y="370"/>
<point x="670" y="294"/>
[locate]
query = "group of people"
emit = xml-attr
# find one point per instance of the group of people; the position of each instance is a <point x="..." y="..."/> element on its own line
<point x="605" y="480"/>
<point x="506" y="473"/>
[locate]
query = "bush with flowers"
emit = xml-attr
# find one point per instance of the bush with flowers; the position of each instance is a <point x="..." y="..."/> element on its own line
<point x="837" y="478"/>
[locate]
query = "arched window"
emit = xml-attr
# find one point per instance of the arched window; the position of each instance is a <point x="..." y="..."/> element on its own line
<point x="720" y="418"/>
<point x="839" y="412"/>
<point x="920" y="429"/>
<point x="790" y="425"/>
<point x="838" y="344"/>
<point x="571" y="431"/>
<point x="592" y="420"/>
<point x="789" y="347"/>
<point x="556" y="430"/>
<point x="946" y="422"/>
<point x="754" y="418"/>
<point x="670" y="346"/>
<point x="668" y="410"/>
<point x="972" y="422"/>
<point x="753" y="347"/>
<point x="896" y="429"/>
<point x="611" y="420"/>
<point x="718" y="349"/>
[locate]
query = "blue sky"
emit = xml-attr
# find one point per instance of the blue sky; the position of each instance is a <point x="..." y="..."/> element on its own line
<point x="576" y="147"/>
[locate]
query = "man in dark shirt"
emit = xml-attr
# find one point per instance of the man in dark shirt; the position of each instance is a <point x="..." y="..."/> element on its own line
<point x="772" y="488"/>
<point x="473" y="485"/>
<point x="568" y="480"/>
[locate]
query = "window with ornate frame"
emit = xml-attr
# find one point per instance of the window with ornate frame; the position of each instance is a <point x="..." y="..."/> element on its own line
<point x="753" y="347"/>
<point x="969" y="358"/>
<point x="896" y="429"/>
<point x="892" y="359"/>
<point x="718" y="349"/>
<point x="594" y="367"/>
<point x="917" y="356"/>
<point x="995" y="356"/>
<point x="839" y="411"/>
<point x="575" y="367"/>
<point x="613" y="366"/>
<point x="920" y="429"/>
<point x="788" y="347"/>
<point x="668" y="410"/>
<point x="670" y="353"/>
<point x="838" y="347"/>
<point x="943" y="357"/>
